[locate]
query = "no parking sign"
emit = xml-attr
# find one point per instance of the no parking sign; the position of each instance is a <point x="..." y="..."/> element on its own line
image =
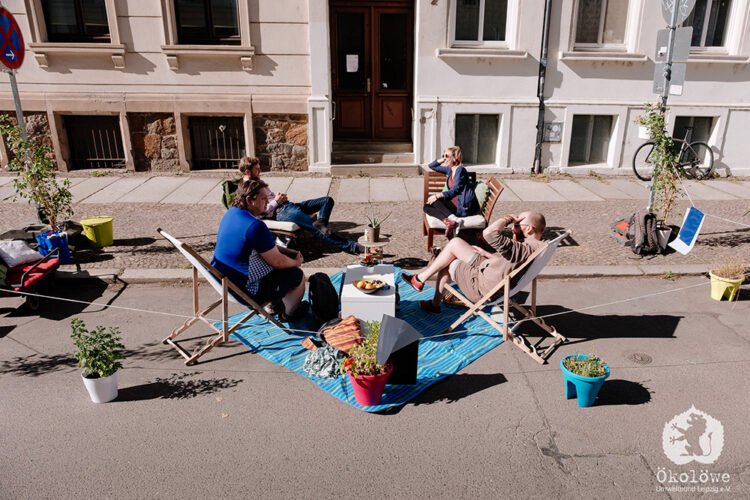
<point x="11" y="48"/>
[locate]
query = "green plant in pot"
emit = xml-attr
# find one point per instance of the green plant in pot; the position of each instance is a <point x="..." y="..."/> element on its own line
<point x="36" y="180"/>
<point x="374" y="221"/>
<point x="98" y="352"/>
<point x="665" y="188"/>
<point x="727" y="276"/>
<point x="367" y="377"/>
<point x="584" y="377"/>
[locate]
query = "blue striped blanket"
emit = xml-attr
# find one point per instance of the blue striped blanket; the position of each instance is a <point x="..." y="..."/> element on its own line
<point x="440" y="354"/>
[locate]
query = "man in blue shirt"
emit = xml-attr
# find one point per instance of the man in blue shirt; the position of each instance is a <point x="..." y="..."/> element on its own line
<point x="247" y="254"/>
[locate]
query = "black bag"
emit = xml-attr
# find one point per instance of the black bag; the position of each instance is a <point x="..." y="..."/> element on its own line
<point x="642" y="233"/>
<point x="324" y="301"/>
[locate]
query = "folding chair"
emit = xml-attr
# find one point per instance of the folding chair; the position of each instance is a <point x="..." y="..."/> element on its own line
<point x="530" y="269"/>
<point x="228" y="291"/>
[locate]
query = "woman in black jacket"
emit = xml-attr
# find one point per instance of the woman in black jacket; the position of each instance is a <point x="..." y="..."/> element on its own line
<point x="459" y="200"/>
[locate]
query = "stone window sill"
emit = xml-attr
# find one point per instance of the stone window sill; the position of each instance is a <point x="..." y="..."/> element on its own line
<point x="480" y="53"/>
<point x="716" y="57"/>
<point x="603" y="56"/>
<point x="114" y="50"/>
<point x="173" y="52"/>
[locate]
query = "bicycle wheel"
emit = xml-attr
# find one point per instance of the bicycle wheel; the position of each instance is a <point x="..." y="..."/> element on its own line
<point x="642" y="165"/>
<point x="698" y="160"/>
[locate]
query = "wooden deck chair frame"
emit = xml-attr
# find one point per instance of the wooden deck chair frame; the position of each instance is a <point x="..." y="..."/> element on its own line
<point x="528" y="274"/>
<point x="434" y="182"/>
<point x="228" y="292"/>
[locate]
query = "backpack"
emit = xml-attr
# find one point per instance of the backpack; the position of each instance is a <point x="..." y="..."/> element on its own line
<point x="642" y="233"/>
<point x="324" y="301"/>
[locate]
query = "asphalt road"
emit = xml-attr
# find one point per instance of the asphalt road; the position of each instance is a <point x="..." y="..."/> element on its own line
<point x="238" y="426"/>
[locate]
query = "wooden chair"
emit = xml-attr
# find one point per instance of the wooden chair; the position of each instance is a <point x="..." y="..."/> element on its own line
<point x="434" y="183"/>
<point x="528" y="272"/>
<point x="228" y="292"/>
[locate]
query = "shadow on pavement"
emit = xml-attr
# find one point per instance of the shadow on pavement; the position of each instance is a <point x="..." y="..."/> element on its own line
<point x="50" y="307"/>
<point x="35" y="365"/>
<point x="576" y="325"/>
<point x="623" y="392"/>
<point x="453" y="388"/>
<point x="175" y="387"/>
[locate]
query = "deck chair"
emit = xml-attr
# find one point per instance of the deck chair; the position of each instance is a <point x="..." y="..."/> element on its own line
<point x="228" y="292"/>
<point x="528" y="272"/>
<point x="434" y="182"/>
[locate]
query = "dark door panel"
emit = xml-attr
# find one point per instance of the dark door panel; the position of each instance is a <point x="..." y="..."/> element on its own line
<point x="372" y="47"/>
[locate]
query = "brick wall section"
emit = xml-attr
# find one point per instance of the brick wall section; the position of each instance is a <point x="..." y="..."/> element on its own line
<point x="37" y="128"/>
<point x="154" y="140"/>
<point x="281" y="141"/>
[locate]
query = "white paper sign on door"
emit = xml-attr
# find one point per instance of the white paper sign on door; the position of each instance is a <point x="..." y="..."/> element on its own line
<point x="352" y="63"/>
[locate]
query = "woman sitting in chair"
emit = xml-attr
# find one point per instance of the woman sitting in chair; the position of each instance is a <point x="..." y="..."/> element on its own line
<point x="459" y="200"/>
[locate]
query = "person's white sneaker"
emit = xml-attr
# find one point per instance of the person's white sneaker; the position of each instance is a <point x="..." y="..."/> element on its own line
<point x="459" y="225"/>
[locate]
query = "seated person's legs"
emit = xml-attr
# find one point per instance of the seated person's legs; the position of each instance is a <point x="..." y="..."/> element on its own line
<point x="324" y="207"/>
<point x="287" y="285"/>
<point x="455" y="249"/>
<point x="293" y="212"/>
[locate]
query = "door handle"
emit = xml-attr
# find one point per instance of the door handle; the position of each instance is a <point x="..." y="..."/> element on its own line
<point x="368" y="85"/>
<point x="333" y="113"/>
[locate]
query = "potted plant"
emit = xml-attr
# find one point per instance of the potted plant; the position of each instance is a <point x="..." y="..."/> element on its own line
<point x="665" y="178"/>
<point x="372" y="230"/>
<point x="584" y="377"/>
<point x="367" y="377"/>
<point x="36" y="180"/>
<point x="726" y="277"/>
<point x="98" y="352"/>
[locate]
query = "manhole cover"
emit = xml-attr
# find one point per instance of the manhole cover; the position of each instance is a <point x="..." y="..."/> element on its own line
<point x="640" y="358"/>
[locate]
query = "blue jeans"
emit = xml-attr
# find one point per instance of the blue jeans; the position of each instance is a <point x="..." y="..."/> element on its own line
<point x="299" y="213"/>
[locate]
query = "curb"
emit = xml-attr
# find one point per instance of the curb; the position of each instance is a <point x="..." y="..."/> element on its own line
<point x="173" y="275"/>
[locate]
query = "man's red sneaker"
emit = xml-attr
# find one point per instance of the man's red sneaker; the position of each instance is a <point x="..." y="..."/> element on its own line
<point x="427" y="306"/>
<point x="413" y="281"/>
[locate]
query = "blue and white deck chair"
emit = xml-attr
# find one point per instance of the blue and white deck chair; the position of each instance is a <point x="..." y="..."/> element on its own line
<point x="528" y="272"/>
<point x="228" y="292"/>
<point x="691" y="227"/>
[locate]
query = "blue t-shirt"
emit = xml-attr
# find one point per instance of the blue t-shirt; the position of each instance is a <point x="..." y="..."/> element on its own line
<point x="240" y="232"/>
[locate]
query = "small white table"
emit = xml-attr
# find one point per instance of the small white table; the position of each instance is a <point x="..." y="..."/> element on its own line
<point x="368" y="306"/>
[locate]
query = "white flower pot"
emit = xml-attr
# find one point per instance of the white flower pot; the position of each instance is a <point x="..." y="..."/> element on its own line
<point x="102" y="390"/>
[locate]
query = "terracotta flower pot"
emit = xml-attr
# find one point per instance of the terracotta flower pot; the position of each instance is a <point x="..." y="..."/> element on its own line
<point x="372" y="234"/>
<point x="368" y="389"/>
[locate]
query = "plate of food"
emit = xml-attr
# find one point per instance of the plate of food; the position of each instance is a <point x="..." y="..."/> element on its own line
<point x="369" y="285"/>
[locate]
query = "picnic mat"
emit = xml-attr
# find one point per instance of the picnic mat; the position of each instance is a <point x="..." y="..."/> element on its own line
<point x="440" y="355"/>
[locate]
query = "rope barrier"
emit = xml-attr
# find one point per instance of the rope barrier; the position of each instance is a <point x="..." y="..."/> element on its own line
<point x="315" y="332"/>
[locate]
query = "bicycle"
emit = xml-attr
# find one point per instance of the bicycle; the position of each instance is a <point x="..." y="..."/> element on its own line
<point x="696" y="159"/>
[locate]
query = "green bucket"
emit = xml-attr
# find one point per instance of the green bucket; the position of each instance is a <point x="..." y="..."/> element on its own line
<point x="98" y="230"/>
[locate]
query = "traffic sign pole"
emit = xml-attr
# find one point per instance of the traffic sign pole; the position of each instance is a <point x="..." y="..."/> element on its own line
<point x="17" y="102"/>
<point x="668" y="63"/>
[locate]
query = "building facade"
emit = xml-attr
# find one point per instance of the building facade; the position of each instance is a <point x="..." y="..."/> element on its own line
<point x="184" y="85"/>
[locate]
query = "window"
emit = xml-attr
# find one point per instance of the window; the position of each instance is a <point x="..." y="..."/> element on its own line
<point x="95" y="142"/>
<point x="479" y="21"/>
<point x="217" y="141"/>
<point x="207" y="22"/>
<point x="76" y="20"/>
<point x="702" y="126"/>
<point x="709" y="20"/>
<point x="601" y="22"/>
<point x="476" y="135"/>
<point x="590" y="138"/>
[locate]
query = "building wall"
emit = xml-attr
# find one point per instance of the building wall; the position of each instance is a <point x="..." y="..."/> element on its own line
<point x="143" y="71"/>
<point x="451" y="79"/>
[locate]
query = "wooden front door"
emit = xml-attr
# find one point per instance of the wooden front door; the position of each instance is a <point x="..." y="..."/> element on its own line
<point x="371" y="59"/>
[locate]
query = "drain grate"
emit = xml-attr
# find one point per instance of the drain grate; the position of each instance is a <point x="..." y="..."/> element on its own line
<point x="640" y="358"/>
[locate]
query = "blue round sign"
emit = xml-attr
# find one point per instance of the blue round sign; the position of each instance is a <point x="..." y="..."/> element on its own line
<point x="11" y="45"/>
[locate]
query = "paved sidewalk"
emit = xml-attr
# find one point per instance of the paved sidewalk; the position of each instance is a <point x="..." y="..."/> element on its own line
<point x="189" y="207"/>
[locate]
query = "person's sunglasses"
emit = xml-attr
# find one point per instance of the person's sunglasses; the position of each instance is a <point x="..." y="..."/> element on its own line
<point x="446" y="155"/>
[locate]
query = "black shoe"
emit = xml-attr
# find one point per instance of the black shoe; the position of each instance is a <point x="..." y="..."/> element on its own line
<point x="281" y="314"/>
